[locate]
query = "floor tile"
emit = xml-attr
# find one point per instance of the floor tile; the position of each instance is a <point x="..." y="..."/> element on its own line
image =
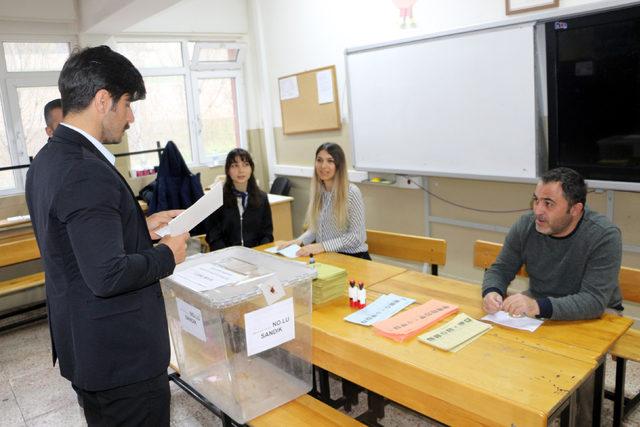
<point x="41" y="392"/>
<point x="68" y="416"/>
<point x="10" y="414"/>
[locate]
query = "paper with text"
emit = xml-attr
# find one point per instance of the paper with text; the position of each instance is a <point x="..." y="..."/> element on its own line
<point x="454" y="335"/>
<point x="324" y="81"/>
<point x="290" y="251"/>
<point x="409" y="323"/>
<point x="191" y="319"/>
<point x="202" y="208"/>
<point x="505" y="319"/>
<point x="269" y="327"/>
<point x="382" y="308"/>
<point x="206" y="276"/>
<point x="289" y="88"/>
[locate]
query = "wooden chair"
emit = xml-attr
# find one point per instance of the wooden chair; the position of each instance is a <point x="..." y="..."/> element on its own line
<point x="626" y="348"/>
<point x="15" y="251"/>
<point x="412" y="248"/>
<point x="485" y="254"/>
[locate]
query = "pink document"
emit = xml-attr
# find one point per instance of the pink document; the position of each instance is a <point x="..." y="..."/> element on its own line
<point x="411" y="322"/>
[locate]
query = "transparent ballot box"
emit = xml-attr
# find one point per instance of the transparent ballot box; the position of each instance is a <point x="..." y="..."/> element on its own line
<point x="240" y="322"/>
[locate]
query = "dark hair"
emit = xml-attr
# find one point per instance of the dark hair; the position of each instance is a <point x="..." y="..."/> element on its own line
<point x="573" y="185"/>
<point x="89" y="70"/>
<point x="51" y="105"/>
<point x="252" y="186"/>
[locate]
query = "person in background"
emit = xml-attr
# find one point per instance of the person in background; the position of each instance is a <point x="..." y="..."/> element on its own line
<point x="52" y="115"/>
<point x="335" y="217"/>
<point x="245" y="217"/>
<point x="106" y="312"/>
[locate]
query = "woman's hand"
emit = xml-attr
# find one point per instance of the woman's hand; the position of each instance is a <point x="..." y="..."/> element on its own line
<point x="307" y="250"/>
<point x="281" y="245"/>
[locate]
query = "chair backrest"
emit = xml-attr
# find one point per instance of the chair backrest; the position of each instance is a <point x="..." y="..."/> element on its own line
<point x="485" y="254"/>
<point x="281" y="185"/>
<point x="630" y="283"/>
<point x="17" y="251"/>
<point x="412" y="248"/>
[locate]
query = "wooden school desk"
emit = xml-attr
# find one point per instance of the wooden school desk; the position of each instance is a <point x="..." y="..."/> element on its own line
<point x="582" y="343"/>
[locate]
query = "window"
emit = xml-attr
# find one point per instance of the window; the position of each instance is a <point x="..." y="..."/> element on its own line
<point x="29" y="80"/>
<point x="194" y="98"/>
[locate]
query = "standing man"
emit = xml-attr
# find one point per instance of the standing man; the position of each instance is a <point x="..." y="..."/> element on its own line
<point x="106" y="311"/>
<point x="572" y="256"/>
<point x="52" y="115"/>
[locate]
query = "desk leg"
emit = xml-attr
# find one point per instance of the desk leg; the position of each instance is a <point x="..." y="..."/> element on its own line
<point x="618" y="399"/>
<point x="325" y="392"/>
<point x="568" y="414"/>
<point x="598" y="393"/>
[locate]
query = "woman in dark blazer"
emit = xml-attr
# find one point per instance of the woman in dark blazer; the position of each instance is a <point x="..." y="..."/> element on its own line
<point x="245" y="217"/>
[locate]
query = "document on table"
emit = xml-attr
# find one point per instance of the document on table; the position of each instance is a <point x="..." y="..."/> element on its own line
<point x="289" y="251"/>
<point x="505" y="319"/>
<point x="201" y="209"/>
<point x="382" y="308"/>
<point x="206" y="276"/>
<point x="409" y="323"/>
<point x="456" y="334"/>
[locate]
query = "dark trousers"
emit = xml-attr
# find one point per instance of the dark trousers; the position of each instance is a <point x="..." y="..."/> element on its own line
<point x="363" y="255"/>
<point x="146" y="403"/>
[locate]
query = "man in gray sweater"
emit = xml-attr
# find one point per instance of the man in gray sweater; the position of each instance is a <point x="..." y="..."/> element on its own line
<point x="572" y="256"/>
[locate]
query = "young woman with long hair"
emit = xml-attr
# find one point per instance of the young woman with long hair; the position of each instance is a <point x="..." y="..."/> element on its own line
<point x="245" y="216"/>
<point x="335" y="217"/>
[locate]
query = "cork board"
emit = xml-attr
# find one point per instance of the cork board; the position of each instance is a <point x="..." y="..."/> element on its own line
<point x="309" y="101"/>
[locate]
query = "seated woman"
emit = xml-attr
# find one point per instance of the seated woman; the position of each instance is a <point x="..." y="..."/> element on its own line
<point x="245" y="216"/>
<point x="335" y="217"/>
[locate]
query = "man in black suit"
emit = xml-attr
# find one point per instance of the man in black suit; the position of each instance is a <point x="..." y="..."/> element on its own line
<point x="106" y="311"/>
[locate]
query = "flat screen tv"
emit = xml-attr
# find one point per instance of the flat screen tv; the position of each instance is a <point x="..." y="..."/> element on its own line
<point x="593" y="83"/>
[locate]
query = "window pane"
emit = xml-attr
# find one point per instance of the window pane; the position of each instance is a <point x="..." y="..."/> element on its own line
<point x="6" y="178"/>
<point x="32" y="101"/>
<point x="219" y="115"/>
<point x="35" y="56"/>
<point x="152" y="55"/>
<point x="211" y="54"/>
<point x="162" y="116"/>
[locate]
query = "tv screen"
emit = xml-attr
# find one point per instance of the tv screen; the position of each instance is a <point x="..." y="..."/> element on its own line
<point x="593" y="81"/>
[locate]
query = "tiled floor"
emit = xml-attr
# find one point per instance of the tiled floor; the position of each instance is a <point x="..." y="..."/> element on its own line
<point x="32" y="393"/>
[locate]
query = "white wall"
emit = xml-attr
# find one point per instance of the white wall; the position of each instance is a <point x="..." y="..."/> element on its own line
<point x="301" y="35"/>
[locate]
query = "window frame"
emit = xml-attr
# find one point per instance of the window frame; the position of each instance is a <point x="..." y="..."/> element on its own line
<point x="191" y="70"/>
<point x="9" y="84"/>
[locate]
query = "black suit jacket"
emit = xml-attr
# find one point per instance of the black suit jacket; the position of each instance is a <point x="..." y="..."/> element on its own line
<point x="226" y="228"/>
<point x="106" y="312"/>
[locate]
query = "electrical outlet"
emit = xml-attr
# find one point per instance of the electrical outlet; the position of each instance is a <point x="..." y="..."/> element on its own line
<point x="405" y="181"/>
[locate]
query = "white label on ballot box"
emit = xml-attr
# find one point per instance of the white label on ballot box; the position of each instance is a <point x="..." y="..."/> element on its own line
<point x="191" y="319"/>
<point x="269" y="327"/>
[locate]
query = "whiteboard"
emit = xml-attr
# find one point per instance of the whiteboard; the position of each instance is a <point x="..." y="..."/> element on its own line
<point x="459" y="105"/>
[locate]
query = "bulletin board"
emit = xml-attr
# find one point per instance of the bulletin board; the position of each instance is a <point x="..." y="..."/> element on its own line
<point x="309" y="101"/>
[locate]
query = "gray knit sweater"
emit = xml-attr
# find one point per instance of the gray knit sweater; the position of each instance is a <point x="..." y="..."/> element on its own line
<point x="573" y="277"/>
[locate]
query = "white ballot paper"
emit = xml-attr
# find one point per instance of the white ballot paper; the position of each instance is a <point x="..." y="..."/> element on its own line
<point x="505" y="319"/>
<point x="270" y="326"/>
<point x="201" y="209"/>
<point x="289" y="251"/>
<point x="206" y="276"/>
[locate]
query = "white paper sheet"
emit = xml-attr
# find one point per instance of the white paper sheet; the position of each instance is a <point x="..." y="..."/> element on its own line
<point x="503" y="318"/>
<point x="191" y="319"/>
<point x="289" y="251"/>
<point x="206" y="276"/>
<point x="289" y="88"/>
<point x="270" y="326"/>
<point x="325" y="86"/>
<point x="201" y="209"/>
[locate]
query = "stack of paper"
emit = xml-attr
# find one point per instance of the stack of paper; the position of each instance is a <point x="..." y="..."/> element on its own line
<point x="411" y="322"/>
<point x="456" y="334"/>
<point x="382" y="308"/>
<point x="505" y="319"/>
<point x="330" y="283"/>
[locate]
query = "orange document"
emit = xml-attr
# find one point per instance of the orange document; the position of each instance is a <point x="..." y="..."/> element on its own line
<point x="411" y="322"/>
